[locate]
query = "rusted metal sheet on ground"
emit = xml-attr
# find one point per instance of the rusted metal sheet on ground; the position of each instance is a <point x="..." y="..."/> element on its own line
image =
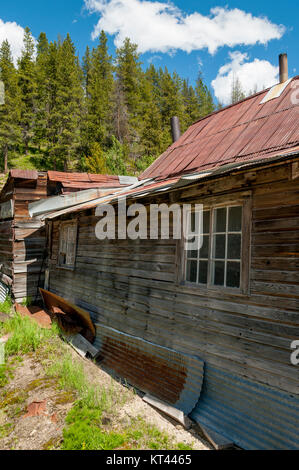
<point x="54" y="302"/>
<point x="169" y="375"/>
<point x="252" y="415"/>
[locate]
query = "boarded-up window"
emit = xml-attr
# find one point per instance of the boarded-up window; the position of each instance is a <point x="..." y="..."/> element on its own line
<point x="67" y="244"/>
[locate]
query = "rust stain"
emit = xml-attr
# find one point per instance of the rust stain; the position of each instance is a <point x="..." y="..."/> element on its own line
<point x="145" y="371"/>
<point x="247" y="130"/>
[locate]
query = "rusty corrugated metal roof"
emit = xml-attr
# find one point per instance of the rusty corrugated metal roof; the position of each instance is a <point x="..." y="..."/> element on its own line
<point x="248" y="130"/>
<point x="24" y="174"/>
<point x="71" y="182"/>
<point x="169" y="375"/>
<point x="150" y="186"/>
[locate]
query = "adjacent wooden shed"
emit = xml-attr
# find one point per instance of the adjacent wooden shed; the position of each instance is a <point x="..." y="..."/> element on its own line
<point x="22" y="238"/>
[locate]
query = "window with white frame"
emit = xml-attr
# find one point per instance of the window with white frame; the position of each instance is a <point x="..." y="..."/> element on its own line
<point x="67" y="244"/>
<point x="217" y="261"/>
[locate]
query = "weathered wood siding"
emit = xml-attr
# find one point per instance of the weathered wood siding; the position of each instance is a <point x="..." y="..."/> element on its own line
<point x="132" y="285"/>
<point x="29" y="239"/>
<point x="22" y="239"/>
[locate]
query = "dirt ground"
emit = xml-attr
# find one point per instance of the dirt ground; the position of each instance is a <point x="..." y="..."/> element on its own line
<point x="35" y="409"/>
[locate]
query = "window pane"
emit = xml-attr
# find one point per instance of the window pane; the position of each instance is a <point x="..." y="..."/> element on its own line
<point x="192" y="222"/>
<point x="192" y="254"/>
<point x="234" y="247"/>
<point x="206" y="222"/>
<point x="219" y="267"/>
<point x="204" y="251"/>
<point x="219" y="246"/>
<point x="235" y="219"/>
<point x="203" y="272"/>
<point x="220" y="215"/>
<point x="233" y="274"/>
<point x="191" y="275"/>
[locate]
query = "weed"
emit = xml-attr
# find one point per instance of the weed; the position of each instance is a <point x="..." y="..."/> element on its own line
<point x="27" y="301"/>
<point x="27" y="335"/>
<point x="182" y="446"/>
<point x="5" y="430"/>
<point x="6" y="306"/>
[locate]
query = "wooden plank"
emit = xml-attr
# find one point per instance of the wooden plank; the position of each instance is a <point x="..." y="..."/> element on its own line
<point x="169" y="410"/>
<point x="218" y="441"/>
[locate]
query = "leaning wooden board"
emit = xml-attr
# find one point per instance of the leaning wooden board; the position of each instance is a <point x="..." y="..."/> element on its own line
<point x="52" y="300"/>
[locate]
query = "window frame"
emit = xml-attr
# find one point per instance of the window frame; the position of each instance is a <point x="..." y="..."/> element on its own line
<point x="214" y="203"/>
<point x="63" y="225"/>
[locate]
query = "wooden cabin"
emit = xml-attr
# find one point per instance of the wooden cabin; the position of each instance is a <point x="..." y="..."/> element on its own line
<point x="22" y="238"/>
<point x="233" y="304"/>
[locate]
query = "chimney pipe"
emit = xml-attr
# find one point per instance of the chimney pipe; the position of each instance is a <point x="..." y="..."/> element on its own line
<point x="175" y="128"/>
<point x="283" y="68"/>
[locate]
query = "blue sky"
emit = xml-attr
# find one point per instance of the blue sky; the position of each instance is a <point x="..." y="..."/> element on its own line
<point x="222" y="38"/>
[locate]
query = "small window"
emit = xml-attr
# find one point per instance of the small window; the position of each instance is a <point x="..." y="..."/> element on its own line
<point x="67" y="245"/>
<point x="218" y="260"/>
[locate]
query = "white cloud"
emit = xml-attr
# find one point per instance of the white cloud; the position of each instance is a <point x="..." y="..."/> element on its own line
<point x="154" y="58"/>
<point x="258" y="75"/>
<point x="14" y="34"/>
<point x="162" y="27"/>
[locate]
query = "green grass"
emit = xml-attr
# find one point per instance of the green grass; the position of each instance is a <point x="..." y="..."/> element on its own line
<point x="26" y="335"/>
<point x="92" y="423"/>
<point x="35" y="160"/>
<point x="6" y="306"/>
<point x="84" y="430"/>
<point x="27" y="301"/>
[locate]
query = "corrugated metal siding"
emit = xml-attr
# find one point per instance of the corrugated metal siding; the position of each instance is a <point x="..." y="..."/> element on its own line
<point x="169" y="375"/>
<point x="252" y="415"/>
<point x="4" y="291"/>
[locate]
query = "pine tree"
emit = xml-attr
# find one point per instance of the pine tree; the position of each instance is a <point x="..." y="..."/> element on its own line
<point x="27" y="84"/>
<point x="10" y="131"/>
<point x="128" y="108"/>
<point x="237" y="94"/>
<point x="65" y="118"/>
<point x="204" y="97"/>
<point x="95" y="161"/>
<point x="192" y="108"/>
<point x="99" y="81"/>
<point x="151" y="131"/>
<point x="42" y="91"/>
<point x="171" y="103"/>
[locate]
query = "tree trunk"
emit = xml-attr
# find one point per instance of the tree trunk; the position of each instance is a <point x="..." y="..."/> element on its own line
<point x="5" y="153"/>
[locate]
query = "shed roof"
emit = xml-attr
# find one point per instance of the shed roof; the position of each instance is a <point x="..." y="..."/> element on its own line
<point x="71" y="182"/>
<point x="248" y="130"/>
